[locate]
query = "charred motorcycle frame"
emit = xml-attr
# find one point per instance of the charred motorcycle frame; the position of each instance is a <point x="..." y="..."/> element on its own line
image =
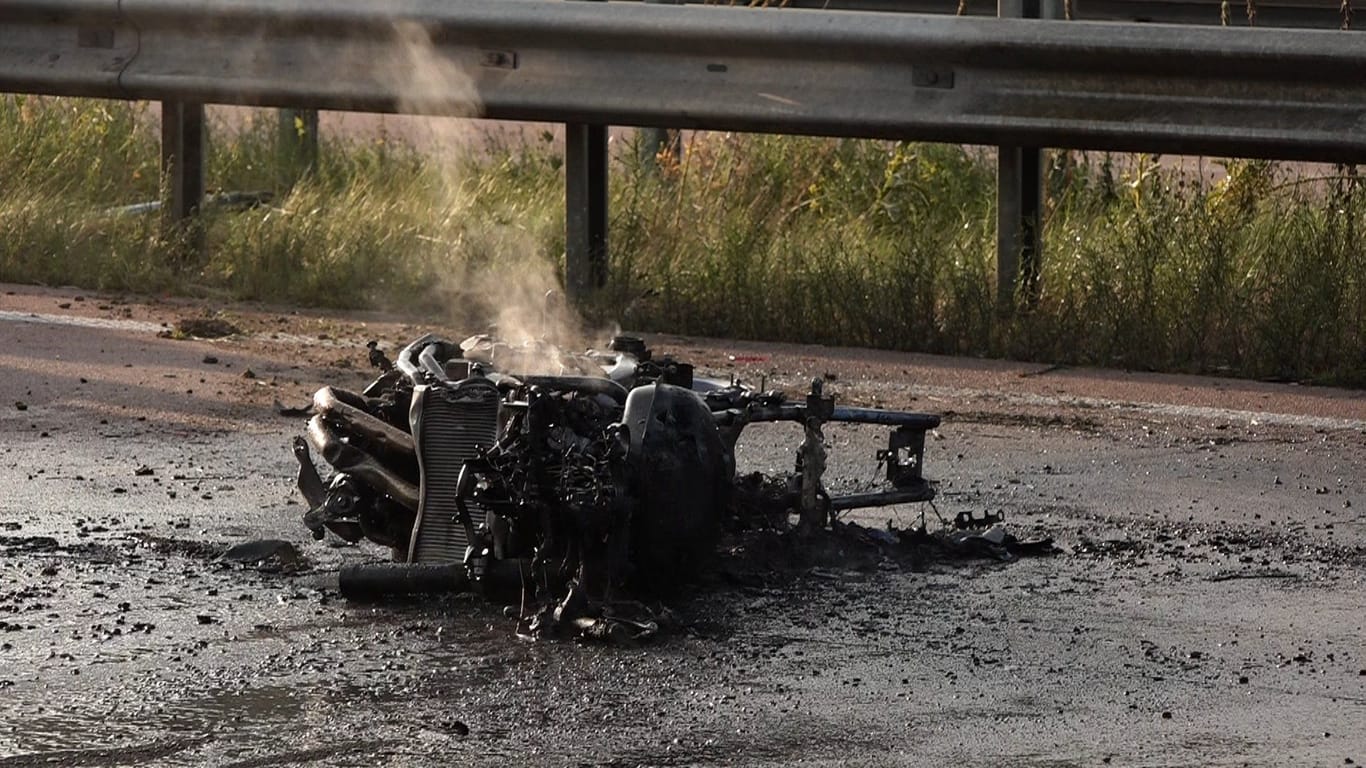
<point x="574" y="478"/>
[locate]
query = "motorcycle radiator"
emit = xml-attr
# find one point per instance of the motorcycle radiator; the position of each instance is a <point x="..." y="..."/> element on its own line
<point x="451" y="424"/>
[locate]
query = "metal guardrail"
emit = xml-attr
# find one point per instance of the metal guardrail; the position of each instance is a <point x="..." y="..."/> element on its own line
<point x="1013" y="82"/>
<point x="1253" y="92"/>
<point x="1303" y="14"/>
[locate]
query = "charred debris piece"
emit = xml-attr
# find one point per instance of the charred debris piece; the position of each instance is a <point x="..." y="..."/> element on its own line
<point x="569" y="483"/>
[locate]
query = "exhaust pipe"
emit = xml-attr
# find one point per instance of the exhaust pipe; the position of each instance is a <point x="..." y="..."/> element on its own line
<point x="351" y="460"/>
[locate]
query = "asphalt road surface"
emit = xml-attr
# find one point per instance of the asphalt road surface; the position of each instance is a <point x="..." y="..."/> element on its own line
<point x="1206" y="608"/>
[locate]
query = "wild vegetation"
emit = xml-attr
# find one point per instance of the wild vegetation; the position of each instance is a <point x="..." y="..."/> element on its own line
<point x="1258" y="270"/>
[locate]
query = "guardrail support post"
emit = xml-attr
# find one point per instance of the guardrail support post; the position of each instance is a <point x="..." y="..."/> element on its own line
<point x="1019" y="223"/>
<point x="585" y="208"/>
<point x="298" y="144"/>
<point x="654" y="141"/>
<point x="1019" y="195"/>
<point x="182" y="166"/>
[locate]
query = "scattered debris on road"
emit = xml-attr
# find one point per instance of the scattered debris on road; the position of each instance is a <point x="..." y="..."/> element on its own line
<point x="270" y="555"/>
<point x="292" y="412"/>
<point x="203" y="327"/>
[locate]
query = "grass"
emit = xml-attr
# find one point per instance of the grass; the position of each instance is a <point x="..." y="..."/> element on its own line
<point x="1147" y="265"/>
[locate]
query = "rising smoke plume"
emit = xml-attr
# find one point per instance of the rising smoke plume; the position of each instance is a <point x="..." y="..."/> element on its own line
<point x="513" y="290"/>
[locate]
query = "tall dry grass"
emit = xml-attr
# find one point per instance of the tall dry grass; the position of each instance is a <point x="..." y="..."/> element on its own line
<point x="1146" y="265"/>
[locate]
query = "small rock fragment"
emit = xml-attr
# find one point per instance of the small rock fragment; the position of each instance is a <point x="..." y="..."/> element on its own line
<point x="265" y="554"/>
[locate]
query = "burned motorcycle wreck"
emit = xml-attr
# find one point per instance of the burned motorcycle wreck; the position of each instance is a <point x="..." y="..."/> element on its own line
<point x="578" y="481"/>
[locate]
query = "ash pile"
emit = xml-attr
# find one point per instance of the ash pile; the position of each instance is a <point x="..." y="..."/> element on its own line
<point x="573" y="485"/>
